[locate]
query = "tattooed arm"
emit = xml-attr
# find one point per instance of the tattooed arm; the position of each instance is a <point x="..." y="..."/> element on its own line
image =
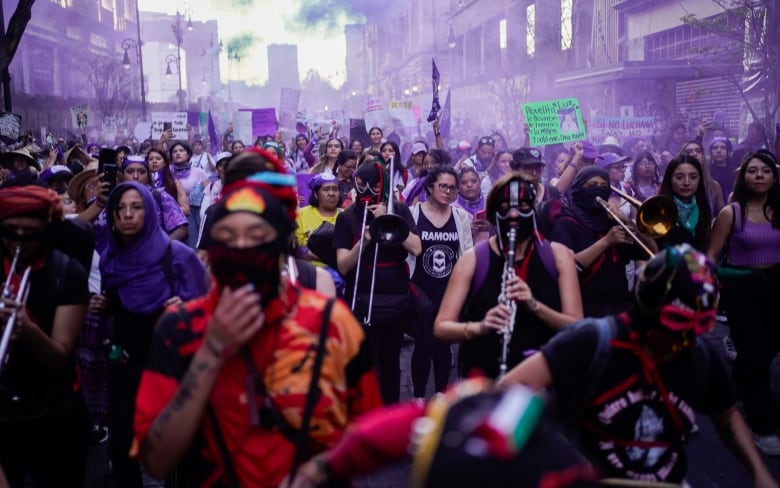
<point x="237" y="318"/>
<point x="173" y="430"/>
<point x="736" y="435"/>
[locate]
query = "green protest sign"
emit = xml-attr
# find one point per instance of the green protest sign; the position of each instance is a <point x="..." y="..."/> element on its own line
<point x="554" y="121"/>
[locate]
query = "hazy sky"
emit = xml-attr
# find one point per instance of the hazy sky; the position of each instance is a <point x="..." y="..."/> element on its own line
<point x="319" y="48"/>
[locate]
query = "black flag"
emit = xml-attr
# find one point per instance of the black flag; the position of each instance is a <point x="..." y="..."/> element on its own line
<point x="435" y="105"/>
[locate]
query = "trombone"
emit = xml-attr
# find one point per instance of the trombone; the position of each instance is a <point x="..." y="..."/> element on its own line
<point x="655" y="216"/>
<point x="20" y="297"/>
<point x="388" y="230"/>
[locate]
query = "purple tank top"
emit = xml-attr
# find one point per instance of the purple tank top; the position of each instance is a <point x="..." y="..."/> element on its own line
<point x="754" y="244"/>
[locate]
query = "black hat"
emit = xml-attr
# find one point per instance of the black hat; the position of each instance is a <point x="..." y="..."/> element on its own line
<point x="526" y="156"/>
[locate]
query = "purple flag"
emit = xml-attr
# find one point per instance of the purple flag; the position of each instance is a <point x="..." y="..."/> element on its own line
<point x="216" y="143"/>
<point x="435" y="105"/>
<point x="445" y="119"/>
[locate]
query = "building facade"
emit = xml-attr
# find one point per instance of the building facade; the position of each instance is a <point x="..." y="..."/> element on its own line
<point x="618" y="57"/>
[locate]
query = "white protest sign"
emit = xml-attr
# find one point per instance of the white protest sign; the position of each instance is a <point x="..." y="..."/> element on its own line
<point x="620" y="127"/>
<point x="242" y="127"/>
<point x="402" y="114"/>
<point x="177" y="121"/>
<point x="374" y="113"/>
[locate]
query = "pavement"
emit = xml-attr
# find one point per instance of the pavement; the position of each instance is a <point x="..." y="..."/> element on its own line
<point x="711" y="464"/>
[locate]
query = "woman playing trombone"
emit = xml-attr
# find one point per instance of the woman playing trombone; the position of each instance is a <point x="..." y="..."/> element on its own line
<point x="377" y="280"/>
<point x="602" y="248"/>
<point x="543" y="286"/>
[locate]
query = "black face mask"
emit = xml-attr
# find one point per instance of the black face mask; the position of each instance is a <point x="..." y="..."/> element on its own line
<point x="524" y="225"/>
<point x="585" y="198"/>
<point x="235" y="267"/>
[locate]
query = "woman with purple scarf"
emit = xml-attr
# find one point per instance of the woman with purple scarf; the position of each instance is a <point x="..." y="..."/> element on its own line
<point x="193" y="180"/>
<point x="143" y="271"/>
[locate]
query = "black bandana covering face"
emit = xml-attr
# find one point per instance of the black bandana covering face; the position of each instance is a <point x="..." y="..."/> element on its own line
<point x="234" y="267"/>
<point x="517" y="193"/>
<point x="371" y="174"/>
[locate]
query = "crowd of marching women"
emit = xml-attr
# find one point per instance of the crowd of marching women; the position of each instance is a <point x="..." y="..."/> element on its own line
<point x="237" y="318"/>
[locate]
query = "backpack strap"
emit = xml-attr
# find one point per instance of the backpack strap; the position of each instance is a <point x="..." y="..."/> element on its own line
<point x="227" y="461"/>
<point x="307" y="274"/>
<point x="482" y="253"/>
<point x="59" y="264"/>
<point x="544" y="248"/>
<point x="314" y="392"/>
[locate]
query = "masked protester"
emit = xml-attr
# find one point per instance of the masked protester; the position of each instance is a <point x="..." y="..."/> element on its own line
<point x="602" y="248"/>
<point x="542" y="286"/>
<point x="389" y="300"/>
<point x="630" y="383"/>
<point x="43" y="418"/>
<point x="250" y="357"/>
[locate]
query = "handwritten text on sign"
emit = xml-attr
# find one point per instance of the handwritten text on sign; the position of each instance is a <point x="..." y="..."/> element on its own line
<point x="177" y="121"/>
<point x="554" y="121"/>
<point x="621" y="127"/>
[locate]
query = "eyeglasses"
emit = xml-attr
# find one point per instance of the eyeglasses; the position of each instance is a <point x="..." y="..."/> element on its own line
<point x="646" y="164"/>
<point x="447" y="188"/>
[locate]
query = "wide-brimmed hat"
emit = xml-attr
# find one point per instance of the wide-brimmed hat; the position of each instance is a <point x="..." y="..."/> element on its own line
<point x="6" y="159"/>
<point x="610" y="145"/>
<point x="78" y="182"/>
<point x="77" y="153"/>
<point x="610" y="158"/>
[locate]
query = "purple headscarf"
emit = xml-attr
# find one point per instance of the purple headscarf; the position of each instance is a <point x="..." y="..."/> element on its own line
<point x="135" y="270"/>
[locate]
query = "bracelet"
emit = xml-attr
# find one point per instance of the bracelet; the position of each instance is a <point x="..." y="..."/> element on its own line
<point x="466" y="332"/>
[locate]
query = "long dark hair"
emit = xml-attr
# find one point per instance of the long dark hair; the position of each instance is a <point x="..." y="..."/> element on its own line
<point x="344" y="156"/>
<point x="742" y="194"/>
<point x="397" y="164"/>
<point x="705" y="213"/>
<point x="169" y="182"/>
<point x="635" y="182"/>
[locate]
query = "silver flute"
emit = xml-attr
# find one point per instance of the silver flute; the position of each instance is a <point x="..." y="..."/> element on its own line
<point x="503" y="299"/>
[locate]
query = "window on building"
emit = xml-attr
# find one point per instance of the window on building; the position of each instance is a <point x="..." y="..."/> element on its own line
<point x="567" y="28"/>
<point x="686" y="41"/>
<point x="530" y="23"/>
<point x="502" y="34"/>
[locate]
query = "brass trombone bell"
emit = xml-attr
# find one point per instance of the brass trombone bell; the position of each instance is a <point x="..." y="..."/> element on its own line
<point x="655" y="216"/>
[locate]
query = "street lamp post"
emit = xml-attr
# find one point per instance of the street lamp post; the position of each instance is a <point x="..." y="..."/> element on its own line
<point x="131" y="44"/>
<point x="178" y="33"/>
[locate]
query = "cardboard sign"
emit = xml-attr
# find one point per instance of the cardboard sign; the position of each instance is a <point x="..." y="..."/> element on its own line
<point x="374" y="113"/>
<point x="80" y="116"/>
<point x="554" y="122"/>
<point x="621" y="127"/>
<point x="10" y="127"/>
<point x="177" y="122"/>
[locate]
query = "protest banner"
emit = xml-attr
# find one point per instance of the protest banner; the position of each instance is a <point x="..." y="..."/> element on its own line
<point x="374" y="113"/>
<point x="80" y="116"/>
<point x="262" y="122"/>
<point x="109" y="128"/>
<point x="357" y="131"/>
<point x="620" y="127"/>
<point x="10" y="126"/>
<point x="302" y="185"/>
<point x="289" y="98"/>
<point x="302" y="122"/>
<point x="176" y="121"/>
<point x="555" y="121"/>
<point x="402" y="115"/>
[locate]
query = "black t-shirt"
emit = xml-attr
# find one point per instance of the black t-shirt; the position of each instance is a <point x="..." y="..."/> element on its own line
<point x="484" y="352"/>
<point x="603" y="284"/>
<point x="725" y="176"/>
<point x="392" y="276"/>
<point x="61" y="281"/>
<point x="440" y="247"/>
<point x="625" y="426"/>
